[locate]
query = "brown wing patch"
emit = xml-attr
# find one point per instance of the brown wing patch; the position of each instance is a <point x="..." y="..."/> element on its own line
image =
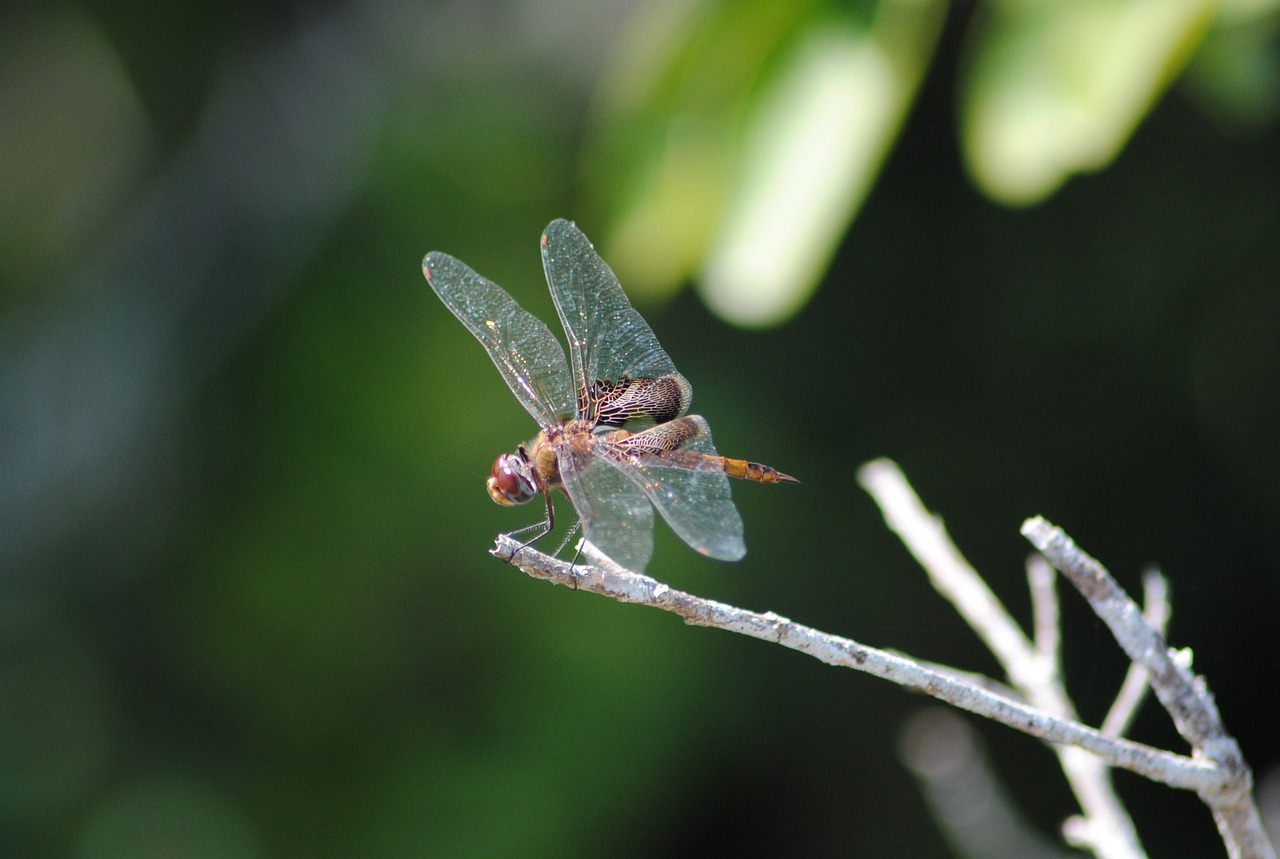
<point x="639" y="401"/>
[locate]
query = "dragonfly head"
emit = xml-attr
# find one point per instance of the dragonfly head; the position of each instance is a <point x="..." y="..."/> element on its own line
<point x="512" y="481"/>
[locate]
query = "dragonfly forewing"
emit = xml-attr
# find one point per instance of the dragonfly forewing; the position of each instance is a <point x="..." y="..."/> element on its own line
<point x="526" y="353"/>
<point x="608" y="339"/>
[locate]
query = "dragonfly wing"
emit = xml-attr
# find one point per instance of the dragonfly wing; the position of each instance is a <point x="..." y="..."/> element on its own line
<point x="689" y="488"/>
<point x="616" y="516"/>
<point x="523" y="348"/>
<point x="608" y="339"/>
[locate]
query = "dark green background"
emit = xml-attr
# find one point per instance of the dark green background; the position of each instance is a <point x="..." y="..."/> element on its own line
<point x="246" y="607"/>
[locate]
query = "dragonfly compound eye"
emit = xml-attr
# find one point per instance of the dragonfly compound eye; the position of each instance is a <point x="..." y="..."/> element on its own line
<point x="511" y="482"/>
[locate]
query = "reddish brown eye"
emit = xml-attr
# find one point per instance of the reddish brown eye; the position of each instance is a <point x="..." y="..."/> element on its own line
<point x="511" y="481"/>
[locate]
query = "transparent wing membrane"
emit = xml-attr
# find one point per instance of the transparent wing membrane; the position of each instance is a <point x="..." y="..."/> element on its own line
<point x="522" y="347"/>
<point x="608" y="340"/>
<point x="687" y="485"/>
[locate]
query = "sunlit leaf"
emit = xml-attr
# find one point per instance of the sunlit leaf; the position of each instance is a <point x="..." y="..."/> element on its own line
<point x="1053" y="88"/>
<point x="812" y="150"/>
<point x="736" y="139"/>
<point x="667" y="131"/>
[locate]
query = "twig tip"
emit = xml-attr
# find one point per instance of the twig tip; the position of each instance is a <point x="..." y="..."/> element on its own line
<point x="1039" y="531"/>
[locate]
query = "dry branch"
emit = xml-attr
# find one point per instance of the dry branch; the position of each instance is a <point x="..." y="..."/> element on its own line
<point x="607" y="579"/>
<point x="1038" y="704"/>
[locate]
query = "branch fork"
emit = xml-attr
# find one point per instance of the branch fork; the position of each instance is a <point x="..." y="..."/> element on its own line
<point x="1037" y="703"/>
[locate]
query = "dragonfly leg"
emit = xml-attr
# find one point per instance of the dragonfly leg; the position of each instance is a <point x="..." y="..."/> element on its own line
<point x="576" y="555"/>
<point x="545" y="525"/>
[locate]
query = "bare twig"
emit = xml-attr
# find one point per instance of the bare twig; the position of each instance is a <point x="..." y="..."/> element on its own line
<point x="966" y="797"/>
<point x="1216" y="771"/>
<point x="1184" y="695"/>
<point x="926" y="538"/>
<point x="604" y="578"/>
<point x="1105" y="828"/>
<point x="1133" y="691"/>
<point x="1044" y="612"/>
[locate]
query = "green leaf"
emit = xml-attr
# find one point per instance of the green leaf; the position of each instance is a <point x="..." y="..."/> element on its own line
<point x="737" y="139"/>
<point x="815" y="144"/>
<point x="667" y="130"/>
<point x="1057" y="88"/>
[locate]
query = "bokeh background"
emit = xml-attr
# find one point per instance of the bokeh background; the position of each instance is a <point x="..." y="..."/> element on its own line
<point x="1029" y="251"/>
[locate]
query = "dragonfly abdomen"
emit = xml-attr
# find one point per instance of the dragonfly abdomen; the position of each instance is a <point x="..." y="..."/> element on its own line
<point x="745" y="470"/>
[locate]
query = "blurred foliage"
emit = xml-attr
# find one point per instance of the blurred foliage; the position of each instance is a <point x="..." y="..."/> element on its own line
<point x="1054" y="89"/>
<point x="747" y="134"/>
<point x="742" y="137"/>
<point x="245" y="608"/>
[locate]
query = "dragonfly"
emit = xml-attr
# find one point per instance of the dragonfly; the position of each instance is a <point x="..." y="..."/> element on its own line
<point x="613" y="435"/>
